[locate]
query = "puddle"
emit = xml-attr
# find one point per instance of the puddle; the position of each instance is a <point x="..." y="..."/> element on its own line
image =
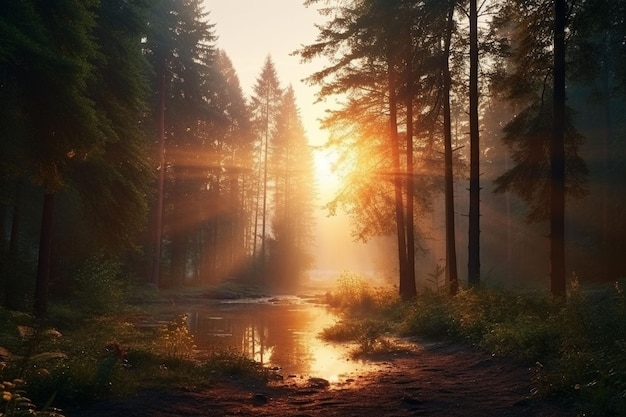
<point x="279" y="333"/>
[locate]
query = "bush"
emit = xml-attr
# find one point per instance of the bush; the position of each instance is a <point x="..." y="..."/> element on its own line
<point x="355" y="296"/>
<point x="99" y="286"/>
<point x="579" y="343"/>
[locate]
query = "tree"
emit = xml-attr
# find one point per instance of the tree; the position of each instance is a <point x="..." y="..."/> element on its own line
<point x="595" y="57"/>
<point x="362" y="46"/>
<point x="222" y="248"/>
<point x="451" y="265"/>
<point x="542" y="136"/>
<point x="557" y="154"/>
<point x="180" y="47"/>
<point x="386" y="60"/>
<point x="264" y="106"/>
<point x="50" y="60"/>
<point x="474" y="188"/>
<point x="292" y="166"/>
<point x="74" y="140"/>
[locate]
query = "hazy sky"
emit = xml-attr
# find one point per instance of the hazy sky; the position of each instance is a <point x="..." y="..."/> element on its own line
<point x="250" y="30"/>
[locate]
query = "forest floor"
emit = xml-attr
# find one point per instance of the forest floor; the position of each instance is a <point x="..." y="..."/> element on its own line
<point x="426" y="379"/>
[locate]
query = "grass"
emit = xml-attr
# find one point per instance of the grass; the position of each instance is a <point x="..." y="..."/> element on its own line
<point x="87" y="353"/>
<point x="576" y="345"/>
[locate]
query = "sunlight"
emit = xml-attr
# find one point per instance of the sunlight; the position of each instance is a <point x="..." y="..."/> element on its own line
<point x="326" y="178"/>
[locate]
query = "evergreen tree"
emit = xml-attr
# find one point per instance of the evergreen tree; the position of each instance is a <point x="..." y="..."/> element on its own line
<point x="292" y="166"/>
<point x="73" y="137"/>
<point x="264" y="106"/>
<point x="226" y="217"/>
<point x="180" y="47"/>
<point x="542" y="137"/>
<point x="473" y="275"/>
<point x="386" y="59"/>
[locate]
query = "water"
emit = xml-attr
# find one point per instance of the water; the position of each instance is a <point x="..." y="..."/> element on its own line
<point x="280" y="333"/>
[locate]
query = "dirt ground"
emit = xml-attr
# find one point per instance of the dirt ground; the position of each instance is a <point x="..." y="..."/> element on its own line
<point x="434" y="379"/>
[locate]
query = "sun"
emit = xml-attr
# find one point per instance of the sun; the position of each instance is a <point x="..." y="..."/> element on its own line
<point x="326" y="179"/>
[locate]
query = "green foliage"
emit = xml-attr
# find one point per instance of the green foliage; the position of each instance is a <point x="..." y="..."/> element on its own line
<point x="228" y="363"/>
<point x="26" y="349"/>
<point x="355" y="295"/>
<point x="174" y="340"/>
<point x="99" y="285"/>
<point x="106" y="356"/>
<point x="527" y="136"/>
<point x="368" y="334"/>
<point x="428" y="316"/>
<point x="14" y="403"/>
<point x="342" y="331"/>
<point x="591" y="353"/>
<point x="366" y="311"/>
<point x="577" y="345"/>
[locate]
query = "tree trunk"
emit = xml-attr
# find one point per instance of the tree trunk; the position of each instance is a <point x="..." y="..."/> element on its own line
<point x="158" y="224"/>
<point x="608" y="248"/>
<point x="265" y="177"/>
<point x="451" y="268"/>
<point x="410" y="289"/>
<point x="45" y="257"/>
<point x="394" y="143"/>
<point x="11" y="295"/>
<point x="557" y="157"/>
<point x="474" y="182"/>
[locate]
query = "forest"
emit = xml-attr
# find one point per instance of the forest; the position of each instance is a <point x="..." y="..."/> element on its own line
<point x="440" y="99"/>
<point x="129" y="144"/>
<point x="484" y="142"/>
<point x="145" y="153"/>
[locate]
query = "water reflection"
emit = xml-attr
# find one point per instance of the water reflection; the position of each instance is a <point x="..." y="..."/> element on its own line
<point x="277" y="333"/>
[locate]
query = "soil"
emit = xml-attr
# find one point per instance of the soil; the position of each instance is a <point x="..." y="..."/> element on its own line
<point x="429" y="379"/>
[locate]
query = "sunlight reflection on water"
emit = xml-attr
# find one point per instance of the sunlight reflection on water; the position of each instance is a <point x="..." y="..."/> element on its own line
<point x="281" y="333"/>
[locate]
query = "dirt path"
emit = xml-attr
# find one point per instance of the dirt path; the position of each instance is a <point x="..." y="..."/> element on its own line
<point x="429" y="380"/>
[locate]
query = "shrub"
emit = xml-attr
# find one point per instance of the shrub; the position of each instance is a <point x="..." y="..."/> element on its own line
<point x="99" y="286"/>
<point x="174" y="340"/>
<point x="355" y="296"/>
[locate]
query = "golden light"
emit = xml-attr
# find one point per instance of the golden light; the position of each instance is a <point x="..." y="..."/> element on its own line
<point x="326" y="178"/>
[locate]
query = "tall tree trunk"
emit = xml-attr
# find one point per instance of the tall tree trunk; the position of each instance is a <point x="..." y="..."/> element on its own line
<point x="158" y="224"/>
<point x="179" y="230"/>
<point x="45" y="256"/>
<point x="11" y="295"/>
<point x="451" y="268"/>
<point x="265" y="168"/>
<point x="557" y="156"/>
<point x="394" y="143"/>
<point x="608" y="249"/>
<point x="410" y="289"/>
<point x="474" y="182"/>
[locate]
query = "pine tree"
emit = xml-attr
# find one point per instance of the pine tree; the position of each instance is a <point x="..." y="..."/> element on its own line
<point x="292" y="166"/>
<point x="264" y="106"/>
<point x="180" y="47"/>
<point x="542" y="137"/>
<point x="77" y="138"/>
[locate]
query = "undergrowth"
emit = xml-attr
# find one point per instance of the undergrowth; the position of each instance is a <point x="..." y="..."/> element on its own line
<point x="576" y="345"/>
<point x="94" y="356"/>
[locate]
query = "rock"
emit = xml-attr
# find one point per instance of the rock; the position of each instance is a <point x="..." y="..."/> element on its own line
<point x="259" y="399"/>
<point x="318" y="383"/>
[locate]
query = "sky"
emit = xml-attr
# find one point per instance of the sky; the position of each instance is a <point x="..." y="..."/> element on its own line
<point x="250" y="30"/>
